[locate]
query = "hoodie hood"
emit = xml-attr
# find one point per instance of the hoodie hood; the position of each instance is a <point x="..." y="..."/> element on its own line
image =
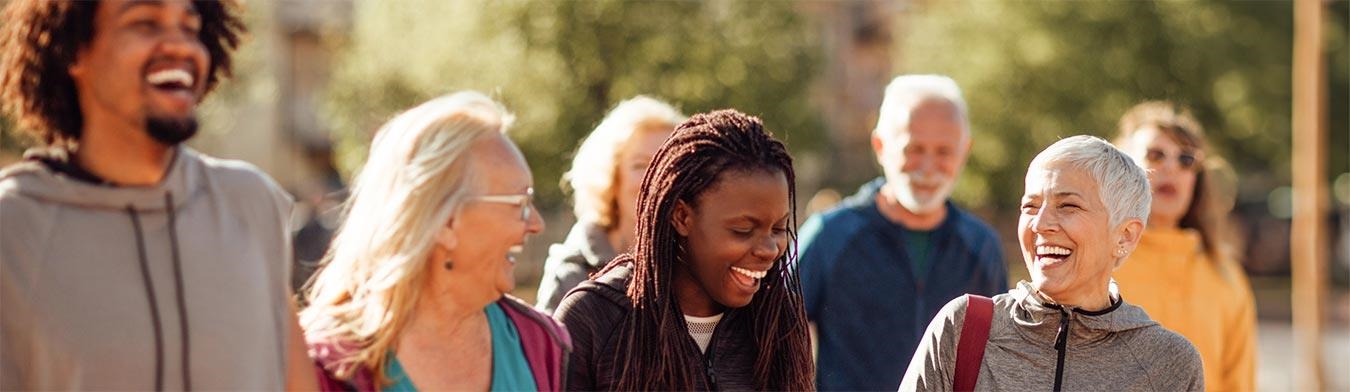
<point x="1040" y="319"/>
<point x="34" y="178"/>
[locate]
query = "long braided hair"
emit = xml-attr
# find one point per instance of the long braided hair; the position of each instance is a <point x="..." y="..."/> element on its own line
<point x="653" y="353"/>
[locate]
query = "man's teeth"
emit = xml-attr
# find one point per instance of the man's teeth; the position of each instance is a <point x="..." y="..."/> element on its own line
<point x="175" y="76"/>
<point x="752" y="274"/>
<point x="1052" y="250"/>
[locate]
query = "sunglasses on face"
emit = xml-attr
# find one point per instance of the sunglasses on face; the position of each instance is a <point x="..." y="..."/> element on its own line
<point x="525" y="201"/>
<point x="1186" y="160"/>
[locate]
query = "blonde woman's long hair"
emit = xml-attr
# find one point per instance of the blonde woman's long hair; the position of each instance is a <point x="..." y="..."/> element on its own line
<point x="415" y="178"/>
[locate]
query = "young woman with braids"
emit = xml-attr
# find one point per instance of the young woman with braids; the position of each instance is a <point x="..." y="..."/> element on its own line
<point x="705" y="301"/>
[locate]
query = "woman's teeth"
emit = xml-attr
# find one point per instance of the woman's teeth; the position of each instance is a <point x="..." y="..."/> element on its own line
<point x="513" y="252"/>
<point x="750" y="273"/>
<point x="1052" y="251"/>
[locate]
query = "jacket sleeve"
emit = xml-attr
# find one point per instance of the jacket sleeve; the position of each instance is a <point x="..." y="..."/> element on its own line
<point x="1173" y="362"/>
<point x="1239" y="346"/>
<point x="934" y="362"/>
<point x="1195" y="379"/>
<point x="812" y="263"/>
<point x="587" y="317"/>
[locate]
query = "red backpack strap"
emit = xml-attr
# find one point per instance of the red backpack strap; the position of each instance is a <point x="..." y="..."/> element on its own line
<point x="974" y="335"/>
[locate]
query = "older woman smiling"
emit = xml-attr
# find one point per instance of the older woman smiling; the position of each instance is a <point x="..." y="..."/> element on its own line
<point x="1083" y="212"/>
<point x="413" y="293"/>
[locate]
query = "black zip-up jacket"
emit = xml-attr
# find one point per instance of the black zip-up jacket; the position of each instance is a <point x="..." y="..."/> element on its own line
<point x="596" y="313"/>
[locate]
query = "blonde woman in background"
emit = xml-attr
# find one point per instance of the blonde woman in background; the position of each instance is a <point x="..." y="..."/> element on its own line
<point x="1183" y="272"/>
<point x="605" y="177"/>
<point x="412" y="294"/>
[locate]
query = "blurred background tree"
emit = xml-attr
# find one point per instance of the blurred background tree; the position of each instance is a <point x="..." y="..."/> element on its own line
<point x="1035" y="72"/>
<point x="559" y="66"/>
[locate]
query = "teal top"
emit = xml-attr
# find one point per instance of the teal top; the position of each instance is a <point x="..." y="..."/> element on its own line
<point x="510" y="371"/>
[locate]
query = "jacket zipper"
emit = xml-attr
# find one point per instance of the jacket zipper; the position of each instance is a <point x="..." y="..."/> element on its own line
<point x="1061" y="346"/>
<point x="708" y="368"/>
<point x="708" y="355"/>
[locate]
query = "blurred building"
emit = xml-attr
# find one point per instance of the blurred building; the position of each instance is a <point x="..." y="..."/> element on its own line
<point x="270" y="113"/>
<point x="858" y="38"/>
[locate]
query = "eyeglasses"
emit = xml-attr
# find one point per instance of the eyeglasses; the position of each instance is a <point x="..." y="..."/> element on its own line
<point x="524" y="201"/>
<point x="1186" y="160"/>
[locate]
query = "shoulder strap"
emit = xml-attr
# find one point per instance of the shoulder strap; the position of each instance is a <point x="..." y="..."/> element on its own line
<point x="974" y="335"/>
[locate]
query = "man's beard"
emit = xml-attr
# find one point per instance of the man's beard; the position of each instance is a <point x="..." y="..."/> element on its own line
<point x="171" y="131"/>
<point x="916" y="203"/>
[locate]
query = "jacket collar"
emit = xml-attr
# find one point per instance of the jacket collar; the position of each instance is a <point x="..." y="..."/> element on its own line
<point x="618" y="279"/>
<point x="866" y="200"/>
<point x="1038" y="319"/>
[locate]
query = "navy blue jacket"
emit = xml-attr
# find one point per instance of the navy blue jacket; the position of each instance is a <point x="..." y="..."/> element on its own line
<point x="869" y="308"/>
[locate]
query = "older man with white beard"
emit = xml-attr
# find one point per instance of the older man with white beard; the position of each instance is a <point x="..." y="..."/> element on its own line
<point x="877" y="268"/>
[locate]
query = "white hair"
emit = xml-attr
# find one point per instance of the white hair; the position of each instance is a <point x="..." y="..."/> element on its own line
<point x="595" y="167"/>
<point x="1121" y="183"/>
<point x="908" y="91"/>
<point x="416" y="177"/>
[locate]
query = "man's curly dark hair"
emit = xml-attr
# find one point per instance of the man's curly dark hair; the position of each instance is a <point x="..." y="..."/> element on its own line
<point x="40" y="39"/>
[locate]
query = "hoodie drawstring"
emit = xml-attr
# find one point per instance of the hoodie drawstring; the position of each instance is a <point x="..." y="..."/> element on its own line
<point x="178" y="294"/>
<point x="178" y="285"/>
<point x="150" y="294"/>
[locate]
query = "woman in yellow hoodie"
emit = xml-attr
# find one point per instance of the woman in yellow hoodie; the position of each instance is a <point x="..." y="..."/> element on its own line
<point x="1183" y="272"/>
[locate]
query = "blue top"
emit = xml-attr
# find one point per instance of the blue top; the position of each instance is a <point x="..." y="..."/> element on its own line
<point x="869" y="306"/>
<point x="510" y="371"/>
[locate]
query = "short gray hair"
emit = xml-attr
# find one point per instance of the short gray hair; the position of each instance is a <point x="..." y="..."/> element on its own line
<point x="1121" y="183"/>
<point x="907" y="91"/>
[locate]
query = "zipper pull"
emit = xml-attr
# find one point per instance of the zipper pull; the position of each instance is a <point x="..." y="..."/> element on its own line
<point x="1062" y="336"/>
<point x="712" y="375"/>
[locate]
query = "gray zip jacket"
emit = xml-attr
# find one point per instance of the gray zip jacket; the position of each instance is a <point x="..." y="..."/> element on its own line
<point x="1116" y="349"/>
<point x="180" y="285"/>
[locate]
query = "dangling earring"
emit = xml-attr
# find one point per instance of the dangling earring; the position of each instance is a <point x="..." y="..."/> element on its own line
<point x="448" y="265"/>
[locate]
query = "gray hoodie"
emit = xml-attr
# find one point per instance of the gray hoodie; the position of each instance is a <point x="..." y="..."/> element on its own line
<point x="140" y="288"/>
<point x="1116" y="349"/>
<point x="585" y="250"/>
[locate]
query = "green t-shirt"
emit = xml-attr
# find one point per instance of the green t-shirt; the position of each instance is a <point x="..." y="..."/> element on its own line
<point x="916" y="245"/>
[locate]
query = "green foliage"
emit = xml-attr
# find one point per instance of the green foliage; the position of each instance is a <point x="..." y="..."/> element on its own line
<point x="560" y="65"/>
<point x="10" y="144"/>
<point x="1038" y="71"/>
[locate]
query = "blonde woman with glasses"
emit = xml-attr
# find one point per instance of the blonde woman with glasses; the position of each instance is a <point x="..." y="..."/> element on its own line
<point x="413" y="292"/>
